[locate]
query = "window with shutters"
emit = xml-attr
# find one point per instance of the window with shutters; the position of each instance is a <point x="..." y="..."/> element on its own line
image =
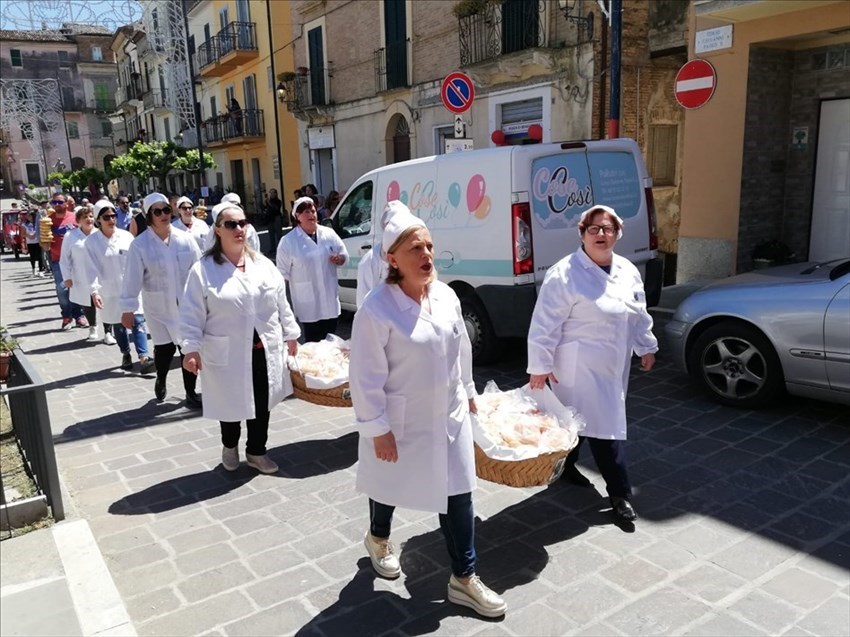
<point x="661" y="155"/>
<point x="395" y="36"/>
<point x="316" y="54"/>
<point x="15" y="55"/>
<point x="73" y="130"/>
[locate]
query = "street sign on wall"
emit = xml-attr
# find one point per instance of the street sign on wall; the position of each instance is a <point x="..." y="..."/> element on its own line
<point x="695" y="84"/>
<point x="457" y="92"/>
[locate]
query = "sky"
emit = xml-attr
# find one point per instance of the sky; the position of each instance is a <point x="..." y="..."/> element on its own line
<point x="35" y="14"/>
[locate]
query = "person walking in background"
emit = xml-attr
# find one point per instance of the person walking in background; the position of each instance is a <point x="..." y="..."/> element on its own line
<point x="327" y="210"/>
<point x="234" y="320"/>
<point x="158" y="262"/>
<point x="63" y="221"/>
<point x="187" y="222"/>
<point x="308" y="257"/>
<point x="73" y="262"/>
<point x="412" y="391"/>
<point x="589" y="317"/>
<point x="107" y="249"/>
<point x="274" y="219"/>
<point x="125" y="216"/>
<point x="30" y="226"/>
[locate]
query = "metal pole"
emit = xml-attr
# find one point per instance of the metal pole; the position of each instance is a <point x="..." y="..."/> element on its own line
<point x="195" y="105"/>
<point x="616" y="63"/>
<point x="280" y="192"/>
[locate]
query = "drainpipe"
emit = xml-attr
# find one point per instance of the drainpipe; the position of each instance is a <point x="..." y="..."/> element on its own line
<point x="281" y="192"/>
<point x="616" y="62"/>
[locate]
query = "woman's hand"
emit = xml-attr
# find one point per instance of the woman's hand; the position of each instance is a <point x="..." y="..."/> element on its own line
<point x="385" y="447"/>
<point x="646" y="362"/>
<point x="98" y="302"/>
<point x="68" y="283"/>
<point x="538" y="381"/>
<point x="192" y="362"/>
<point x="127" y="320"/>
<point x="338" y="259"/>
<point x="473" y="408"/>
<point x="292" y="347"/>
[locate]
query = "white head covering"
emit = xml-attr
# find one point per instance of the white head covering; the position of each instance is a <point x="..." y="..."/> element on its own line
<point x="183" y="200"/>
<point x="587" y="214"/>
<point x="299" y="201"/>
<point x="101" y="205"/>
<point x="151" y="199"/>
<point x="231" y="197"/>
<point x="396" y="219"/>
<point x="224" y="205"/>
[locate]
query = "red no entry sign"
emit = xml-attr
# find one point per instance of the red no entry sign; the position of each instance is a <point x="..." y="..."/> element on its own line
<point x="695" y="83"/>
<point x="457" y="92"/>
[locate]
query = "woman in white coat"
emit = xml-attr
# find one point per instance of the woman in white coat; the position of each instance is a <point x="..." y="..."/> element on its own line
<point x="72" y="263"/>
<point x="158" y="263"/>
<point x="411" y="386"/>
<point x="187" y="222"/>
<point x="308" y="257"/>
<point x="107" y="249"/>
<point x="234" y="320"/>
<point x="589" y="317"/>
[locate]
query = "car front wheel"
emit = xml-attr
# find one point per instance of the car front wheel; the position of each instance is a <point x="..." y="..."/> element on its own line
<point x="736" y="365"/>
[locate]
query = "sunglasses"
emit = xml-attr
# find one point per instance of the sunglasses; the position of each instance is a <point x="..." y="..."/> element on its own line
<point x="230" y="224"/>
<point x="160" y="211"/>
<point x="186" y="207"/>
<point x="108" y="216"/>
<point x="57" y="202"/>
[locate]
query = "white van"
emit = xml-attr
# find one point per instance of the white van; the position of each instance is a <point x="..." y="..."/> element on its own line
<point x="501" y="217"/>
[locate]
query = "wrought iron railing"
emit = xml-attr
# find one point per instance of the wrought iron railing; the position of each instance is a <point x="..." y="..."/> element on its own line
<point x="234" y="125"/>
<point x="391" y="66"/>
<point x="501" y="28"/>
<point x="237" y="36"/>
<point x="156" y="98"/>
<point x="207" y="52"/>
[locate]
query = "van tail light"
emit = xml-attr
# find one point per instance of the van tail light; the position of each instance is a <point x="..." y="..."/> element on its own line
<point x="521" y="231"/>
<point x="651" y="220"/>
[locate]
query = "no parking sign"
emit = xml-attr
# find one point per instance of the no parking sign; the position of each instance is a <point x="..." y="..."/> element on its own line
<point x="457" y="92"/>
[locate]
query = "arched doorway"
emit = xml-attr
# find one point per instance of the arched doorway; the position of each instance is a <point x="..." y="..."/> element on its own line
<point x="107" y="161"/>
<point x="77" y="163"/>
<point x="398" y="138"/>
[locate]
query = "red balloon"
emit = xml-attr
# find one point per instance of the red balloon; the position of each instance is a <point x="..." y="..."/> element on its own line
<point x="498" y="137"/>
<point x="535" y="132"/>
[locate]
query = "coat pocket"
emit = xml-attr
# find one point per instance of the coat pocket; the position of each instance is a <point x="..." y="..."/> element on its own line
<point x="395" y="415"/>
<point x="566" y="356"/>
<point x="215" y="350"/>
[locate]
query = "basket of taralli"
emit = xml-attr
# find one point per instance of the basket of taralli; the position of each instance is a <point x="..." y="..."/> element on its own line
<point x="319" y="372"/>
<point x="522" y="436"/>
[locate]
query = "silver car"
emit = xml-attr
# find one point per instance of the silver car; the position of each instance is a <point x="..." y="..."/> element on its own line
<point x="747" y="338"/>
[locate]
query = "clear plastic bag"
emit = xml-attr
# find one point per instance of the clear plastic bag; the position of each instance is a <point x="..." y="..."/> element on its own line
<point x="323" y="364"/>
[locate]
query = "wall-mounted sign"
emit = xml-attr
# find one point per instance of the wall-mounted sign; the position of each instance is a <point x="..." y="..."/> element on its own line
<point x="800" y="138"/>
<point x="695" y="83"/>
<point x="713" y="39"/>
<point x="321" y="137"/>
<point x="457" y="92"/>
<point x="459" y="145"/>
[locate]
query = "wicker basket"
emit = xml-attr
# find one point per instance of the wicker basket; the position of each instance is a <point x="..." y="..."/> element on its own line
<point x="533" y="472"/>
<point x="334" y="397"/>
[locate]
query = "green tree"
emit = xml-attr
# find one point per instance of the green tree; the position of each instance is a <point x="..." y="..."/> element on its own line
<point x="64" y="179"/>
<point x="149" y="160"/>
<point x="188" y="162"/>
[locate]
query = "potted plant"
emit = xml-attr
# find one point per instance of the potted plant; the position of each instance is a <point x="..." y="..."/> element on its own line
<point x="770" y="253"/>
<point x="7" y="345"/>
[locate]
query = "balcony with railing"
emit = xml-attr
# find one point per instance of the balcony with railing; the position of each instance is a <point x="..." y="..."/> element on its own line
<point x="235" y="44"/>
<point x="391" y="66"/>
<point x="501" y="28"/>
<point x="241" y="125"/>
<point x="101" y="104"/>
<point x="156" y="99"/>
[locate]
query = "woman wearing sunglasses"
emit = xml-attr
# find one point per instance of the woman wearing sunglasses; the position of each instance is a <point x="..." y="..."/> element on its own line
<point x="158" y="263"/>
<point x="187" y="221"/>
<point x="589" y="317"/>
<point x="234" y="319"/>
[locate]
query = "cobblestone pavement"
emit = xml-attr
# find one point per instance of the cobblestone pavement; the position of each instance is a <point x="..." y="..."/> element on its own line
<point x="744" y="526"/>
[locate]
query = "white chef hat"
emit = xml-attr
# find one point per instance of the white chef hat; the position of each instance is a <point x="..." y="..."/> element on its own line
<point x="587" y="214"/>
<point x="224" y="205"/>
<point x="396" y="219"/>
<point x="183" y="200"/>
<point x="151" y="199"/>
<point x="298" y="202"/>
<point x="100" y="206"/>
<point x="231" y="197"/>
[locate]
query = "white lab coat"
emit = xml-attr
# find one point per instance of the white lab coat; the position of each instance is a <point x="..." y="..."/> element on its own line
<point x="158" y="270"/>
<point x="107" y="260"/>
<point x="411" y="373"/>
<point x="251" y="238"/>
<point x="220" y="310"/>
<point x="312" y="277"/>
<point x="72" y="263"/>
<point x="371" y="270"/>
<point x="585" y="326"/>
<point x="199" y="231"/>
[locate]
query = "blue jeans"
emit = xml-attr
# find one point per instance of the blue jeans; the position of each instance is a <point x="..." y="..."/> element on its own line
<point x="69" y="310"/>
<point x="457" y="524"/>
<point x="140" y="336"/>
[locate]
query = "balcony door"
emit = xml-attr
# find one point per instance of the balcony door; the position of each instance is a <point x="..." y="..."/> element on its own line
<point x="243" y="17"/>
<point x="520" y="25"/>
<point x="250" y="114"/>
<point x="395" y="33"/>
<point x="316" y="53"/>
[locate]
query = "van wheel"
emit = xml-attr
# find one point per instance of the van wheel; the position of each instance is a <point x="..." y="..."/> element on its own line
<point x="480" y="330"/>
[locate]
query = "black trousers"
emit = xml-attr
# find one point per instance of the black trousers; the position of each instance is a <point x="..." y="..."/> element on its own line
<point x="314" y="332"/>
<point x="35" y="256"/>
<point x="610" y="457"/>
<point x="258" y="427"/>
<point x="162" y="355"/>
<point x="90" y="312"/>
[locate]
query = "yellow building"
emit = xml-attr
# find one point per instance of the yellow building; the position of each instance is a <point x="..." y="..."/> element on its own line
<point x="236" y="90"/>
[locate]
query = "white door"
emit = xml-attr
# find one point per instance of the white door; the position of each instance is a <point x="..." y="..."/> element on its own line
<point x="830" y="236"/>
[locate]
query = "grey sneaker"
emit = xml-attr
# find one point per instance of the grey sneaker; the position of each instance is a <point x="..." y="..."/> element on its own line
<point x="382" y="554"/>
<point x="476" y="596"/>
<point x="230" y="458"/>
<point x="263" y="463"/>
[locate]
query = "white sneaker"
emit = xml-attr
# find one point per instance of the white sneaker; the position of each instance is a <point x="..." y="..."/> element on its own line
<point x="108" y="339"/>
<point x="263" y="463"/>
<point x="230" y="458"/>
<point x="476" y="596"/>
<point x="93" y="335"/>
<point x="382" y="553"/>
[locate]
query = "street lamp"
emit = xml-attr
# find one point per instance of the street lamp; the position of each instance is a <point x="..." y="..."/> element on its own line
<point x="571" y="9"/>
